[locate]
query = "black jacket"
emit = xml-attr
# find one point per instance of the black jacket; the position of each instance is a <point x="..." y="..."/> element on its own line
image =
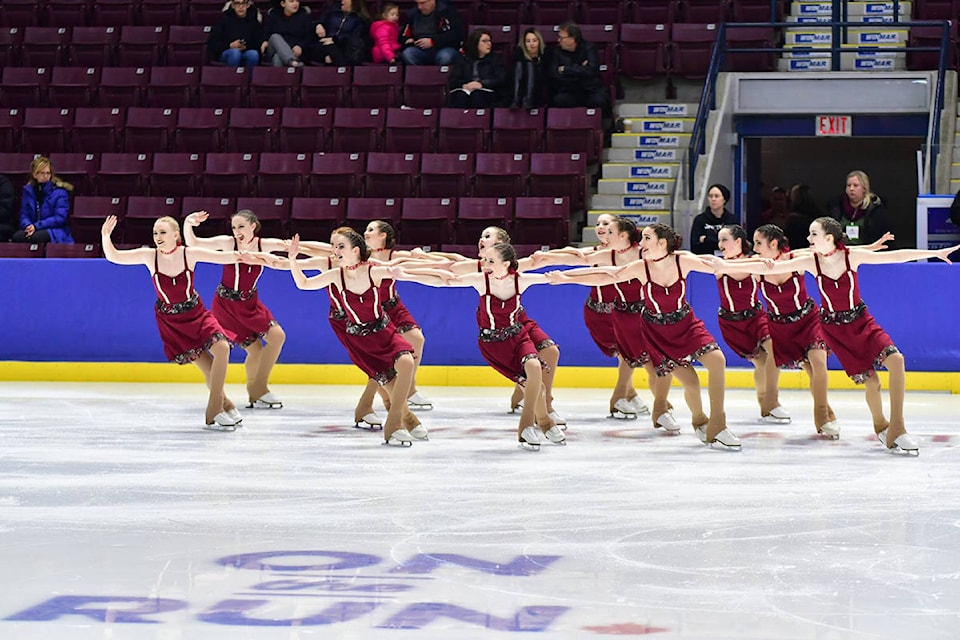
<point x="707" y="224"/>
<point x="576" y="76"/>
<point x="448" y="27"/>
<point x="490" y="70"/>
<point x="8" y="210"/>
<point x="298" y="29"/>
<point x="871" y="225"/>
<point x="231" y="27"/>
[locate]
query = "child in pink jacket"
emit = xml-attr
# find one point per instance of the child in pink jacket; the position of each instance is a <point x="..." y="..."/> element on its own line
<point x="385" y="33"/>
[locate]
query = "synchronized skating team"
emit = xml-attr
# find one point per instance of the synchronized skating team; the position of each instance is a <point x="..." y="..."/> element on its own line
<point x="636" y="311"/>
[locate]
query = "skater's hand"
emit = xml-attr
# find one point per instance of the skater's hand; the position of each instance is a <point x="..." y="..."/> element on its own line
<point x="294" y="248"/>
<point x="108" y="226"/>
<point x="885" y="239"/>
<point x="555" y="277"/>
<point x="943" y="253"/>
<point x="713" y="262"/>
<point x="195" y="218"/>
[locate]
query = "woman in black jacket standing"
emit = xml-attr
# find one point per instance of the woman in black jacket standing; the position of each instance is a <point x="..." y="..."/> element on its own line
<point x="479" y="79"/>
<point x="704" y="233"/>
<point x="860" y="212"/>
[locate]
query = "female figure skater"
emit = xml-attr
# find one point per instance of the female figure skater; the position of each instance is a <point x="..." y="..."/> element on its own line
<point x="237" y="307"/>
<point x="189" y="332"/>
<point x="608" y="307"/>
<point x="793" y="321"/>
<point x="506" y="341"/>
<point x="675" y="337"/>
<point x="381" y="239"/>
<point x="860" y="344"/>
<point x="547" y="349"/>
<point x="370" y="338"/>
<point x="743" y="325"/>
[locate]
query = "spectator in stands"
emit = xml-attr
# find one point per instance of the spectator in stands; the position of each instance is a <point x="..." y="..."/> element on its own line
<point x="433" y="34"/>
<point x="528" y="77"/>
<point x="345" y="37"/>
<point x="479" y="79"/>
<point x="385" y="33"/>
<point x="704" y="233"/>
<point x="573" y="72"/>
<point x="44" y="206"/>
<point x="290" y="33"/>
<point x="860" y="211"/>
<point x="238" y="25"/>
<point x="804" y="209"/>
<point x="779" y="210"/>
<point x="8" y="218"/>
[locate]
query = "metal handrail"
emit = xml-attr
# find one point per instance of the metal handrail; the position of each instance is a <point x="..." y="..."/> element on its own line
<point x="707" y="103"/>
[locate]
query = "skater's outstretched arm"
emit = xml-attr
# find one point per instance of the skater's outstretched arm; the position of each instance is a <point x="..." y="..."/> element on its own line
<point x="423" y="275"/>
<point x="141" y="255"/>
<point x="301" y="279"/>
<point x="597" y="276"/>
<point x="901" y="255"/>
<point x="216" y="243"/>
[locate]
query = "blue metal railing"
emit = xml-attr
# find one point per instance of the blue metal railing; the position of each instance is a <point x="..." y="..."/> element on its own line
<point x="718" y="60"/>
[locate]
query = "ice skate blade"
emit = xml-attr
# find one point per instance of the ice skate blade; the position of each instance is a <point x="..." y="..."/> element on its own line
<point x="221" y="422"/>
<point x="620" y="415"/>
<point x="370" y="422"/>
<point x="905" y="445"/>
<point x="558" y="420"/>
<point x="399" y="438"/>
<point x="772" y="419"/>
<point x="726" y="440"/>
<point x="419" y="402"/>
<point x="266" y="401"/>
<point x="516" y="408"/>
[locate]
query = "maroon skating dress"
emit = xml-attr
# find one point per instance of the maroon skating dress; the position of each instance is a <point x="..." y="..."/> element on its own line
<point x="854" y="336"/>
<point x="628" y="329"/>
<point x="743" y="322"/>
<point x="187" y="328"/>
<point x="237" y="306"/>
<point x="538" y="335"/>
<point x="598" y="314"/>
<point x="400" y="316"/>
<point x="792" y="319"/>
<point x="370" y="338"/>
<point x="675" y="336"/>
<point x="505" y="341"/>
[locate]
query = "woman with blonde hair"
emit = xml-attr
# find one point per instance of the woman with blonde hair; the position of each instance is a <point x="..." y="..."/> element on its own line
<point x="44" y="206"/>
<point x="188" y="330"/>
<point x="860" y="212"/>
<point x="528" y="70"/>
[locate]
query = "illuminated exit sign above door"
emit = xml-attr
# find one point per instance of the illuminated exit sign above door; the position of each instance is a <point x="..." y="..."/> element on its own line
<point x="834" y="125"/>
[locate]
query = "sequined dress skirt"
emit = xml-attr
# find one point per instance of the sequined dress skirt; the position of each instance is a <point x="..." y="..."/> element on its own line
<point x="744" y="332"/>
<point x="187" y="329"/>
<point x="676" y="339"/>
<point x="507" y="350"/>
<point x="598" y="318"/>
<point x="795" y="334"/>
<point x="859" y="343"/>
<point x="244" y="318"/>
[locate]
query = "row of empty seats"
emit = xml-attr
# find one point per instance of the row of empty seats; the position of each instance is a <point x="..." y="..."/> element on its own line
<point x="418" y="221"/>
<point x="320" y="174"/>
<point x="42" y="130"/>
<point x="74" y="13"/>
<point x="184" y="46"/>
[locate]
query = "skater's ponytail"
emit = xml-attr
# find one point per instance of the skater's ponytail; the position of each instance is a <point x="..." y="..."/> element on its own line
<point x="507" y="253"/>
<point x="627" y="226"/>
<point x="739" y="233"/>
<point x="666" y="232"/>
<point x="390" y="241"/>
<point x="832" y="227"/>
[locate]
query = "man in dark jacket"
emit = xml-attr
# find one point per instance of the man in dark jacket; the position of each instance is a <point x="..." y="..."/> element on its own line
<point x="8" y="212"/>
<point x="573" y="72"/>
<point x="235" y="38"/>
<point x="433" y="34"/>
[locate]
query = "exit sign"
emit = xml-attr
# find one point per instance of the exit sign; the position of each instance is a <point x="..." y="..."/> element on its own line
<point x="834" y="125"/>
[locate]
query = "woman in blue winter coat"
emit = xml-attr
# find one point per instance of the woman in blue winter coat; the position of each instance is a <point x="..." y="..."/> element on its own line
<point x="44" y="206"/>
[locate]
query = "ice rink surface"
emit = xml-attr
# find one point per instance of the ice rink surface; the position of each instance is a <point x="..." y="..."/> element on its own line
<point x="121" y="519"/>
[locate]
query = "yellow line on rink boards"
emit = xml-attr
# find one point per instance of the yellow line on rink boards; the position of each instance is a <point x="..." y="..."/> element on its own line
<point x="442" y="376"/>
